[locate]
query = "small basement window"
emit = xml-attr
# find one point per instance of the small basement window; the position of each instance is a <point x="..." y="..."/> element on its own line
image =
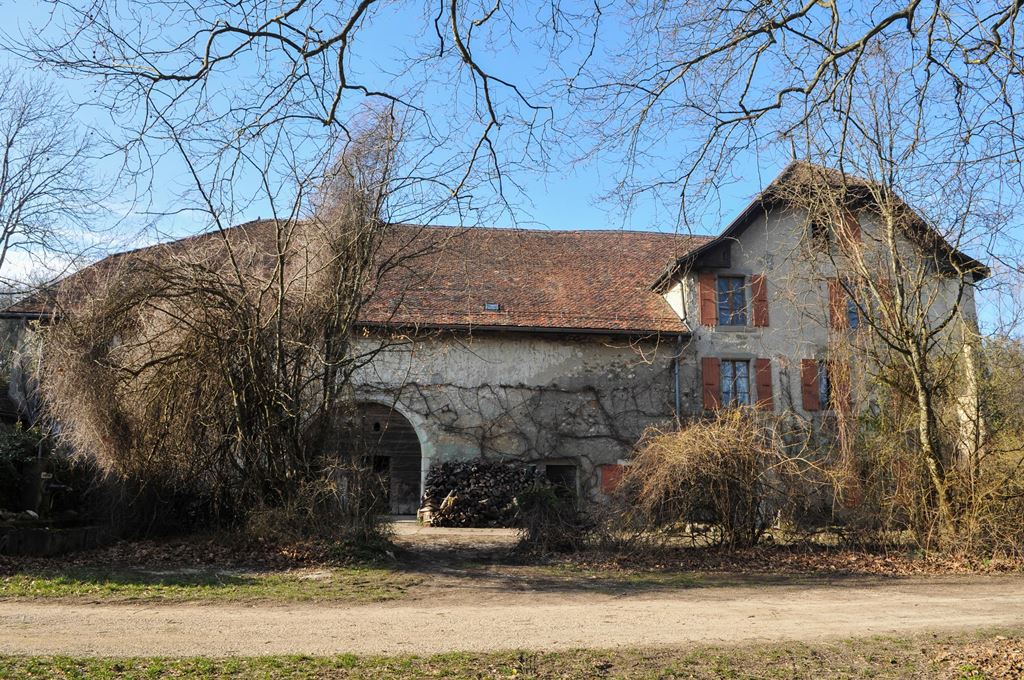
<point x="562" y="478"/>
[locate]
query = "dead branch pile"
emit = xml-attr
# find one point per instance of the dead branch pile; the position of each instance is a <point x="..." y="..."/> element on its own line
<point x="476" y="493"/>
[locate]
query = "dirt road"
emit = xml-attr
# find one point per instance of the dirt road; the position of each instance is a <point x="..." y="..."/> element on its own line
<point x="509" y="620"/>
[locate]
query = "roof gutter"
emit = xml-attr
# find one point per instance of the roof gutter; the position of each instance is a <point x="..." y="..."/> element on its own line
<point x="29" y="316"/>
<point x="550" y="330"/>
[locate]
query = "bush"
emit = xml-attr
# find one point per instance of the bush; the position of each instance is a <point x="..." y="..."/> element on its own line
<point x="322" y="510"/>
<point x="19" y="450"/>
<point x="550" y="521"/>
<point x="739" y="472"/>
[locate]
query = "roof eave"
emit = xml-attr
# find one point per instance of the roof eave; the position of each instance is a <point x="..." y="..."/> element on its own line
<point x="739" y="223"/>
<point x="32" y="316"/>
<point x="503" y="328"/>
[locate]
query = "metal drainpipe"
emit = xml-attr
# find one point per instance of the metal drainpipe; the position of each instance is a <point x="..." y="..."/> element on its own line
<point x="677" y="376"/>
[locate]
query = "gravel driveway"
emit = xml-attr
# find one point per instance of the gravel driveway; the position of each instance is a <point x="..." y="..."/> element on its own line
<point x="483" y="621"/>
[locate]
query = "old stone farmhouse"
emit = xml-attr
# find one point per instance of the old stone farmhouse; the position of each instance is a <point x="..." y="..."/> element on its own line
<point x="561" y="347"/>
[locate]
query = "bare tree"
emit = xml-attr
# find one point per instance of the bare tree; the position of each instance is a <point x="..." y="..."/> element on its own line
<point x="48" y="194"/>
<point x="234" y="86"/>
<point x="901" y="294"/>
<point x="221" y="366"/>
<point x="733" y="81"/>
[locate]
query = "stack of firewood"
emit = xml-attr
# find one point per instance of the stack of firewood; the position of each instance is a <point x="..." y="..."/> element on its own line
<point x="474" y="493"/>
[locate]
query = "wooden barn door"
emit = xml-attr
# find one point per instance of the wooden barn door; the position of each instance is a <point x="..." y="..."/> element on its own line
<point x="395" y="451"/>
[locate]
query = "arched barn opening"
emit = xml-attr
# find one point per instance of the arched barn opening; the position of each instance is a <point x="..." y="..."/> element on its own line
<point x="394" y="449"/>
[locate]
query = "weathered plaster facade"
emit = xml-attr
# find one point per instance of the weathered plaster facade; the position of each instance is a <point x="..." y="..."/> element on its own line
<point x="586" y="399"/>
<point x="544" y="399"/>
<point x="559" y="348"/>
<point x="776" y="246"/>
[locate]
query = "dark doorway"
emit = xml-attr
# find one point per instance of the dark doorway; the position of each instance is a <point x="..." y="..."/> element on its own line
<point x="395" y="451"/>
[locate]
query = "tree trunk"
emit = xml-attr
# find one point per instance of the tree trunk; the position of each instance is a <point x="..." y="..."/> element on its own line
<point x="931" y="450"/>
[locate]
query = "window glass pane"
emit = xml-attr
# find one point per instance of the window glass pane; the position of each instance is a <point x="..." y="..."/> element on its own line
<point x="824" y="389"/>
<point x="723" y="301"/>
<point x="727" y="382"/>
<point x="732" y="303"/>
<point x="742" y="382"/>
<point x="735" y="382"/>
<point x="852" y="314"/>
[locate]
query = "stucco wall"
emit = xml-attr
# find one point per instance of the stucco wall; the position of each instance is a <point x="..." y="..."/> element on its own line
<point x="583" y="399"/>
<point x="776" y="246"/>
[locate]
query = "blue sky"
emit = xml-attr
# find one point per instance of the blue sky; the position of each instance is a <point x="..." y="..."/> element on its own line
<point x="568" y="195"/>
<point x="565" y="197"/>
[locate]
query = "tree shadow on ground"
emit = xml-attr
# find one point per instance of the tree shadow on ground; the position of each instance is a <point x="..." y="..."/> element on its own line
<point x="504" y="568"/>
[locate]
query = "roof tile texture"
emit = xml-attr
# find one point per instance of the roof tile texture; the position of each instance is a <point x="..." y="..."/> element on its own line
<point x="583" y="280"/>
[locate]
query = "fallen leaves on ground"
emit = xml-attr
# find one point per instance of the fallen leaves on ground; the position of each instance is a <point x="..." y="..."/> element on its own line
<point x="1001" y="658"/>
<point x="793" y="559"/>
<point x="222" y="551"/>
<point x="227" y="551"/>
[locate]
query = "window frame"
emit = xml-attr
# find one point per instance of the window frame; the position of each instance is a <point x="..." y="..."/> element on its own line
<point x="819" y="234"/>
<point x="824" y="386"/>
<point x="852" y="314"/>
<point x="734" y="315"/>
<point x="728" y="392"/>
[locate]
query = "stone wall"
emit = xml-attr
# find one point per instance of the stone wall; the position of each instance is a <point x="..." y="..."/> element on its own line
<point x="543" y="399"/>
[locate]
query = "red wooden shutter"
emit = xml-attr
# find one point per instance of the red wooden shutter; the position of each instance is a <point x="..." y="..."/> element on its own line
<point x="711" y="373"/>
<point x="708" y="298"/>
<point x="837" y="305"/>
<point x="759" y="293"/>
<point x="611" y="477"/>
<point x="809" y="384"/>
<point x="851" y="227"/>
<point x="763" y="379"/>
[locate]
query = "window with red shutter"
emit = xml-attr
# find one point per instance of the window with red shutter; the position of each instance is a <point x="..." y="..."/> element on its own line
<point x="711" y="379"/>
<point x="809" y="385"/>
<point x="843" y="312"/>
<point x="850" y="227"/>
<point x="837" y="317"/>
<point x="763" y="381"/>
<point x="707" y="298"/>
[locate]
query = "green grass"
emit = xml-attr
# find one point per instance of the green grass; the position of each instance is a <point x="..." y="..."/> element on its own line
<point x="349" y="584"/>
<point x="878" y="657"/>
<point x="634" y="579"/>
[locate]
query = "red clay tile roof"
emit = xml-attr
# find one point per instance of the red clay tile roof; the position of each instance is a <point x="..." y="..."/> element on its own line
<point x="546" y="280"/>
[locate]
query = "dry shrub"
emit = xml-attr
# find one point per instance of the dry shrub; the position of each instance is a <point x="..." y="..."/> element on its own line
<point x="318" y="510"/>
<point x="219" y="368"/>
<point x="982" y="481"/>
<point x="551" y="520"/>
<point x="739" y="471"/>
